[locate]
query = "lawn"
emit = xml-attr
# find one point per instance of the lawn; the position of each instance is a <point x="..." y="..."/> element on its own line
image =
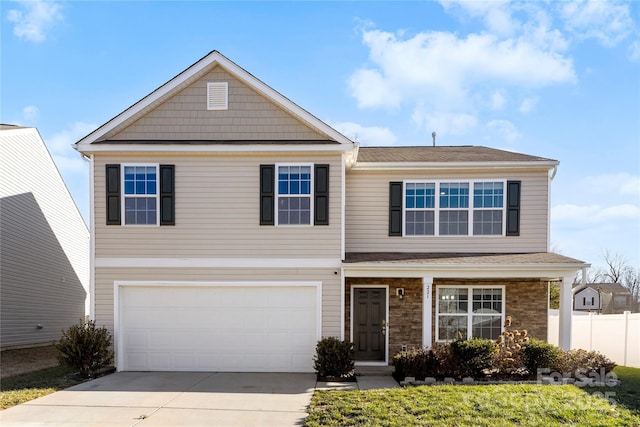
<point x="482" y="405"/>
<point x="24" y="387"/>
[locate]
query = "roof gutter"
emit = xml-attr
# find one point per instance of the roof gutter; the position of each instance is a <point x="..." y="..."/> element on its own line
<point x="404" y="166"/>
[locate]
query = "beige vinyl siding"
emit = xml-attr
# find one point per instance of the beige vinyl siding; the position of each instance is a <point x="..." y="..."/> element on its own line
<point x="106" y="277"/>
<point x="44" y="245"/>
<point x="367" y="214"/>
<point x="217" y="212"/>
<point x="184" y="116"/>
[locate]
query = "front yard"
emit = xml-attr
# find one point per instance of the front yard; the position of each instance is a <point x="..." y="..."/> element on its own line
<point x="482" y="405"/>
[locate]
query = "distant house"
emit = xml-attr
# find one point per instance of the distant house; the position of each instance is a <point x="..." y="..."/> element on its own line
<point x="44" y="244"/>
<point x="605" y="298"/>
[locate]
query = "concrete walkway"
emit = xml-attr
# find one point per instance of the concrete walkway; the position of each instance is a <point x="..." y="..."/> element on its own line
<point x="181" y="399"/>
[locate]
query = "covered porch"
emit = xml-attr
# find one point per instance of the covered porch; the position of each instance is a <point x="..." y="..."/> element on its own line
<point x="398" y="301"/>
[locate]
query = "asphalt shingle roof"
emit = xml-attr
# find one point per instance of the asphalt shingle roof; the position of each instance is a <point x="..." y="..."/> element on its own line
<point x="458" y="258"/>
<point x="463" y="153"/>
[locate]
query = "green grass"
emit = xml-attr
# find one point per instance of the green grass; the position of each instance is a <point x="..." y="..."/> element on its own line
<point x="22" y="388"/>
<point x="483" y="405"/>
<point x="627" y="394"/>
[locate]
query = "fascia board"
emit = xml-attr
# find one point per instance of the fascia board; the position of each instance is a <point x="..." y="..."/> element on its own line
<point x="426" y="166"/>
<point x="226" y="148"/>
<point x="208" y="61"/>
<point x="458" y="270"/>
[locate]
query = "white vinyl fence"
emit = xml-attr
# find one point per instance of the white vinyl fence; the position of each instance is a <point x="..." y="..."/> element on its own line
<point x="615" y="335"/>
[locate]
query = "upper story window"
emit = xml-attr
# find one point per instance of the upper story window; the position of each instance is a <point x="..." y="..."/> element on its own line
<point x="144" y="194"/>
<point x="294" y="194"/>
<point x="140" y="195"/>
<point x="449" y="213"/>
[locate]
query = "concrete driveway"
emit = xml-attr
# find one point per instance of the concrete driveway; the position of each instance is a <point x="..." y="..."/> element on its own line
<point x="172" y="399"/>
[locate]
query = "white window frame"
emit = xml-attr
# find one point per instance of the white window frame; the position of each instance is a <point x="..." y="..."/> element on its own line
<point x="470" y="209"/>
<point x="124" y="196"/>
<point x="470" y="313"/>
<point x="278" y="196"/>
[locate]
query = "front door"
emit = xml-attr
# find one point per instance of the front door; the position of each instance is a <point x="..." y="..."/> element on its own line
<point x="369" y="323"/>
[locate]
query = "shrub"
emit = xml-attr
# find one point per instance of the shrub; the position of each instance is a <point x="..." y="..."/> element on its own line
<point x="85" y="347"/>
<point x="574" y="362"/>
<point x="334" y="358"/>
<point x="539" y="354"/>
<point x="472" y="356"/>
<point x="418" y="363"/>
<point x="508" y="359"/>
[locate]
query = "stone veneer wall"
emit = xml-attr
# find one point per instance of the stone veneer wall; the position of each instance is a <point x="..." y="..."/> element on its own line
<point x="526" y="302"/>
<point x="405" y="315"/>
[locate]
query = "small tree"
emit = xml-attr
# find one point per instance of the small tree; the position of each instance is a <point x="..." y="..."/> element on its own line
<point x="85" y="347"/>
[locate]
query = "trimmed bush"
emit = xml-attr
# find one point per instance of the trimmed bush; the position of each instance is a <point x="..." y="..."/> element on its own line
<point x="472" y="356"/>
<point x="334" y="358"/>
<point x="582" y="362"/>
<point x="418" y="363"/>
<point x="539" y="354"/>
<point x="85" y="347"/>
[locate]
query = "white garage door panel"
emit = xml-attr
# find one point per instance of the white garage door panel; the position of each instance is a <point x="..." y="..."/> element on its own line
<point x="218" y="328"/>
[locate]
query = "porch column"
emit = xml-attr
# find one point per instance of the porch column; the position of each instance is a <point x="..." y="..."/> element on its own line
<point x="566" y="308"/>
<point x="427" y="315"/>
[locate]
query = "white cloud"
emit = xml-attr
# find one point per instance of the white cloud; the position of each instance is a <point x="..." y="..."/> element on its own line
<point x="496" y="14"/>
<point x="633" y="51"/>
<point x="592" y="214"/>
<point x="498" y="100"/>
<point x="445" y="68"/>
<point x="444" y="123"/>
<point x="35" y="19"/>
<point x="60" y="143"/>
<point x="621" y="183"/>
<point x="372" y="135"/>
<point x="504" y="129"/>
<point x="607" y="22"/>
<point x="528" y="104"/>
<point x="30" y="113"/>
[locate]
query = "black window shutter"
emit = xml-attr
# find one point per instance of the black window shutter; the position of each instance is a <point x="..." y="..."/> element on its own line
<point x="167" y="195"/>
<point x="321" y="195"/>
<point x="395" y="209"/>
<point x="112" y="177"/>
<point x="513" y="208"/>
<point x="267" y="194"/>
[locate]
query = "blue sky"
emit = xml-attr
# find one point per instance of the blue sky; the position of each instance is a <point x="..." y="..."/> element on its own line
<point x="554" y="79"/>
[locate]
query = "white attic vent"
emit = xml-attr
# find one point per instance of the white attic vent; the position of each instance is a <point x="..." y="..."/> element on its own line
<point x="217" y="96"/>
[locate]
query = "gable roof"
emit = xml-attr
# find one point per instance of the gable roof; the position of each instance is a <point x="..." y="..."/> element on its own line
<point x="610" y="288"/>
<point x="449" y="157"/>
<point x="182" y="80"/>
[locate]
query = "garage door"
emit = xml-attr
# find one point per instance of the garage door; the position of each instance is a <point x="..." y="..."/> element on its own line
<point x="217" y="328"/>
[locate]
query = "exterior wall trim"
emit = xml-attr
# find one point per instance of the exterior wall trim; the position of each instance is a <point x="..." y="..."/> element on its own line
<point x="213" y="148"/>
<point x="461" y="270"/>
<point x="427" y="311"/>
<point x="454" y="166"/>
<point x="118" y="284"/>
<point x="218" y="263"/>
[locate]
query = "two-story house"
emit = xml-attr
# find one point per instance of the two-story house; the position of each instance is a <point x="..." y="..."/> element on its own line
<point x="232" y="229"/>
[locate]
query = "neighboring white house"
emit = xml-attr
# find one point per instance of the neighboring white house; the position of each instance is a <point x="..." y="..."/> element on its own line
<point x="44" y="244"/>
<point x="605" y="298"/>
